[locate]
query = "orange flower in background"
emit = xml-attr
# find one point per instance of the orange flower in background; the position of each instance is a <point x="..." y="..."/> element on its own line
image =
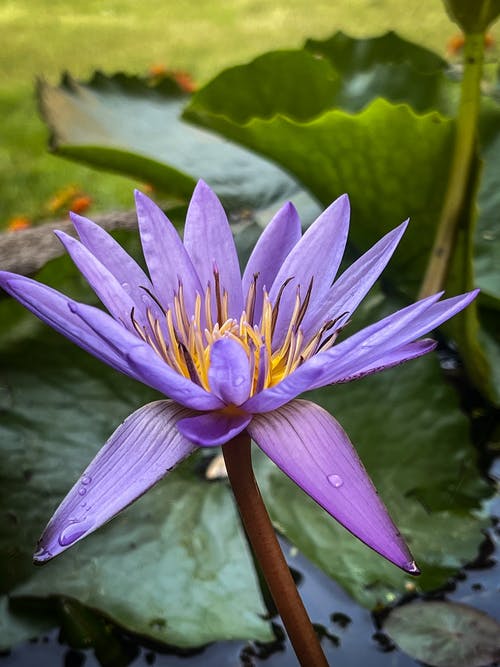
<point x="17" y="223"/>
<point x="61" y="199"/>
<point x="157" y="70"/>
<point x="69" y="198"/>
<point x="183" y="79"/>
<point x="80" y="204"/>
<point x="455" y="44"/>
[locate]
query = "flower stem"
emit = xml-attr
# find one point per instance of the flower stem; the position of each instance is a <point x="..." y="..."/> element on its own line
<point x="262" y="537"/>
<point x="462" y="161"/>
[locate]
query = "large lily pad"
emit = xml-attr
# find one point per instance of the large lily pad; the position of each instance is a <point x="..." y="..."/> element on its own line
<point x="122" y="124"/>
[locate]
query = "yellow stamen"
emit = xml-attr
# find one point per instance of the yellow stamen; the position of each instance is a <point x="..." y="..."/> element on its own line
<point x="184" y="341"/>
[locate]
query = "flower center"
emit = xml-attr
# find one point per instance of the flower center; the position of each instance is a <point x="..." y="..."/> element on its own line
<point x="184" y="342"/>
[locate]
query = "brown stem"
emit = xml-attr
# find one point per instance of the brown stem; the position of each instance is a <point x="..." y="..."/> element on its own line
<point x="260" y="532"/>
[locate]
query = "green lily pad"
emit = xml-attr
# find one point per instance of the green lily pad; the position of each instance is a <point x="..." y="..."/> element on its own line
<point x="445" y="633"/>
<point x="366" y="155"/>
<point x="387" y="66"/>
<point x="123" y="124"/>
<point x="413" y="439"/>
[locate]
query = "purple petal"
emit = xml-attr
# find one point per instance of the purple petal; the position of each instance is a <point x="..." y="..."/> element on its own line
<point x="311" y="447"/>
<point x="317" y="255"/>
<point x="393" y="358"/>
<point x="110" y="253"/>
<point x="368" y="347"/>
<point x="140" y="452"/>
<point x="271" y="250"/>
<point x="148" y="366"/>
<point x="213" y="428"/>
<point x="167" y="259"/>
<point x="209" y="242"/>
<point x="53" y="308"/>
<point x="229" y="371"/>
<point x="350" y="289"/>
<point x="102" y="281"/>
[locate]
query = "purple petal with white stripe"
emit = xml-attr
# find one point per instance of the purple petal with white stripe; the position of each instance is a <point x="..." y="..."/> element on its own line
<point x="352" y="286"/>
<point x="167" y="259"/>
<point x="271" y="250"/>
<point x="54" y="309"/>
<point x="209" y="242"/>
<point x="140" y="452"/>
<point x="103" y="282"/>
<point x="110" y="253"/>
<point x="316" y="256"/>
<point x="311" y="447"/>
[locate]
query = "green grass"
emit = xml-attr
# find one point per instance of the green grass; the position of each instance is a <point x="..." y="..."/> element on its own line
<point x="44" y="38"/>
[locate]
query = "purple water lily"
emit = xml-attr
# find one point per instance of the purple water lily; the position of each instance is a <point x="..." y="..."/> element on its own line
<point x="232" y="353"/>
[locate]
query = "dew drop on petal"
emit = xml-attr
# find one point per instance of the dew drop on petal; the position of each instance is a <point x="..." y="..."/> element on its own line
<point x="126" y="286"/>
<point x="335" y="480"/>
<point x="42" y="554"/>
<point x="412" y="567"/>
<point x="239" y="380"/>
<point x="82" y="491"/>
<point x="86" y="479"/>
<point x="73" y="531"/>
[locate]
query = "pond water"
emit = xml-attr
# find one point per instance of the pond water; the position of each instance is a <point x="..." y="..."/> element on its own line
<point x="351" y="636"/>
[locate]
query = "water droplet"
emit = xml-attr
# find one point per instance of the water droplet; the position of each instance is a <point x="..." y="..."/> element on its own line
<point x="82" y="491"/>
<point x="335" y="480"/>
<point x="412" y="567"/>
<point x="239" y="380"/>
<point x="126" y="286"/>
<point x="86" y="479"/>
<point x="42" y="554"/>
<point x="73" y="531"/>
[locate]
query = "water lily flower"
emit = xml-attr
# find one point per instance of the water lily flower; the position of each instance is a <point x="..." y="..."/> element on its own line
<point x="232" y="353"/>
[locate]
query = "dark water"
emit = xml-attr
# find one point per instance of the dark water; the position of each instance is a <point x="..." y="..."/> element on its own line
<point x="350" y="634"/>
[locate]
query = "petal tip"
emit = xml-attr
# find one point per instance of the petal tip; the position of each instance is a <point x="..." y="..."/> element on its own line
<point x="412" y="568"/>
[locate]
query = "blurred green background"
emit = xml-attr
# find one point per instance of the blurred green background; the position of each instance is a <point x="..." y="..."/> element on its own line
<point x="42" y="38"/>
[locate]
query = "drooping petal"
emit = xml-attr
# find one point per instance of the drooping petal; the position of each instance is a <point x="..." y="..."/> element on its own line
<point x="148" y="366"/>
<point x="140" y="452"/>
<point x="209" y="242"/>
<point x="369" y="347"/>
<point x="229" y="371"/>
<point x="316" y="256"/>
<point x="110" y="253"/>
<point x="271" y="250"/>
<point x="103" y="282"/>
<point x="311" y="447"/>
<point x="352" y="286"/>
<point x="393" y="358"/>
<point x="53" y="308"/>
<point x="213" y="428"/>
<point x="167" y="259"/>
